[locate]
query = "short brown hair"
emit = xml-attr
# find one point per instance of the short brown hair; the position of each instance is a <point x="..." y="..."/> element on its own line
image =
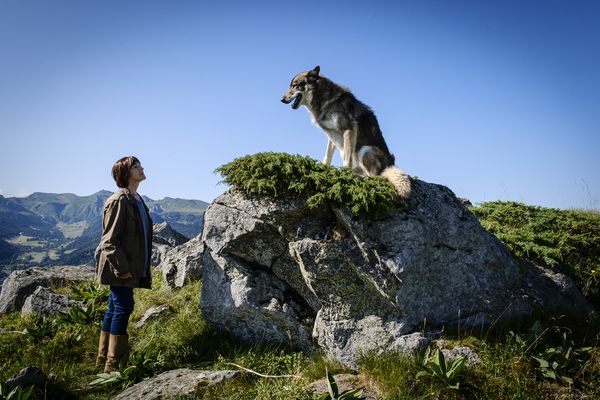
<point x="120" y="171"/>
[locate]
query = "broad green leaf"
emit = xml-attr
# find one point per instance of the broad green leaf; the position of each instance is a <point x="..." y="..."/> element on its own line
<point x="422" y="374"/>
<point x="350" y="394"/>
<point x="456" y="367"/>
<point x="439" y="360"/>
<point x="567" y="380"/>
<point x="549" y="374"/>
<point x="332" y="386"/>
<point x="543" y="363"/>
<point x="568" y="353"/>
<point x="436" y="370"/>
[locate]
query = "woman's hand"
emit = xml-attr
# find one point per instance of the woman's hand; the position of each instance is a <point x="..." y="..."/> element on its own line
<point x="126" y="276"/>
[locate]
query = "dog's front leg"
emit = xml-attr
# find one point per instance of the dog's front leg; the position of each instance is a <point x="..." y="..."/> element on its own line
<point x="329" y="152"/>
<point x="349" y="145"/>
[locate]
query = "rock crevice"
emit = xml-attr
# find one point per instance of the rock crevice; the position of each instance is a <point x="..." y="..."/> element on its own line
<point x="273" y="269"/>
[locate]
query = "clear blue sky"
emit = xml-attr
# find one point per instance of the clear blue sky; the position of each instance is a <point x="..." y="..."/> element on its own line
<point x="498" y="100"/>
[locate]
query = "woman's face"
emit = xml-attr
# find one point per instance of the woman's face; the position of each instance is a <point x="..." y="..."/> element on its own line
<point x="136" y="173"/>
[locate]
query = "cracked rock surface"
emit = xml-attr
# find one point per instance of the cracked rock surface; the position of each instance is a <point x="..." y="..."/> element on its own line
<point x="274" y="270"/>
<point x="21" y="284"/>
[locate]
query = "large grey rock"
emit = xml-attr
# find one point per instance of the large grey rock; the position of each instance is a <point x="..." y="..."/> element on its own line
<point x="164" y="239"/>
<point x="163" y="233"/>
<point x="183" y="263"/>
<point x="21" y="284"/>
<point x="275" y="270"/>
<point x="45" y="303"/>
<point x="159" y="251"/>
<point x="174" y="384"/>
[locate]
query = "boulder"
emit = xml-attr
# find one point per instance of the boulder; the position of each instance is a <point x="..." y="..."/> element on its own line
<point x="29" y="376"/>
<point x="183" y="263"/>
<point x="163" y="233"/>
<point x="159" y="251"/>
<point x="45" y="303"/>
<point x="174" y="384"/>
<point x="164" y="238"/>
<point x="275" y="270"/>
<point x="21" y="284"/>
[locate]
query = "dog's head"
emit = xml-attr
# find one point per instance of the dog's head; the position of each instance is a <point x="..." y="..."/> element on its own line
<point x="301" y="87"/>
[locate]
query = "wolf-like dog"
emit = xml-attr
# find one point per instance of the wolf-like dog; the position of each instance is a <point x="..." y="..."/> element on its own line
<point x="350" y="125"/>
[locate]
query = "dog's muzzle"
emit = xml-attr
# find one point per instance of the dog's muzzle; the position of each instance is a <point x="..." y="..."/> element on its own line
<point x="296" y="100"/>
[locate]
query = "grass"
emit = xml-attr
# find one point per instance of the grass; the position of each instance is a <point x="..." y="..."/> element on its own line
<point x="183" y="338"/>
<point x="35" y="257"/>
<point x="73" y="230"/>
<point x="506" y="372"/>
<point x="38" y="250"/>
<point x="510" y="365"/>
<point x="567" y="240"/>
<point x="29" y="241"/>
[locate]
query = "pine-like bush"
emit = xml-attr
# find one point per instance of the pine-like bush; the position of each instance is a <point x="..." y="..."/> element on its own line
<point x="568" y="239"/>
<point x="282" y="175"/>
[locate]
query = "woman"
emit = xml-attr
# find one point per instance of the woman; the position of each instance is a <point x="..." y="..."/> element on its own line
<point x="124" y="261"/>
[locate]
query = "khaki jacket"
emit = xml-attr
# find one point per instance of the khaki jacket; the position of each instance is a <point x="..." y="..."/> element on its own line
<point x="122" y="243"/>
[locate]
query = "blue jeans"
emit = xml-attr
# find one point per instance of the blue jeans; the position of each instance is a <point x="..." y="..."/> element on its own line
<point x="120" y="307"/>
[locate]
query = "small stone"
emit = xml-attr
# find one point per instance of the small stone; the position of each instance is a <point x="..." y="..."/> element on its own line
<point x="154" y="313"/>
<point x="26" y="377"/>
<point x="45" y="303"/>
<point x="174" y="384"/>
<point x="471" y="358"/>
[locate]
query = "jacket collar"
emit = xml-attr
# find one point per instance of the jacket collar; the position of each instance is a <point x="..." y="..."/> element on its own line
<point x="127" y="194"/>
<point x="131" y="199"/>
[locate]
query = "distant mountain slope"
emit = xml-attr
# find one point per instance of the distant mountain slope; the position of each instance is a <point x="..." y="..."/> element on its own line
<point x="185" y="216"/>
<point x="50" y="228"/>
<point x="16" y="219"/>
<point x="8" y="251"/>
<point x="65" y="207"/>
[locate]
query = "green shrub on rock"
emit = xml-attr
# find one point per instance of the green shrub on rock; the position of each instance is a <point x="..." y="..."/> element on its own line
<point x="282" y="175"/>
<point x="565" y="239"/>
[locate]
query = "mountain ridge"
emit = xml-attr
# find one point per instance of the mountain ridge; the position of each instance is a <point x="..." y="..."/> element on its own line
<point x="63" y="227"/>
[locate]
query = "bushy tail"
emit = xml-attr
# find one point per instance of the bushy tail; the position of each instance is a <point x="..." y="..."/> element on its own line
<point x="399" y="179"/>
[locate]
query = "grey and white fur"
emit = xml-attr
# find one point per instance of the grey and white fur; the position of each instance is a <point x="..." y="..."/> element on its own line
<point x="350" y="125"/>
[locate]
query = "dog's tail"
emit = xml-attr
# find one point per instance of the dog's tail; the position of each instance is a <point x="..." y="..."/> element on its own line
<point x="399" y="179"/>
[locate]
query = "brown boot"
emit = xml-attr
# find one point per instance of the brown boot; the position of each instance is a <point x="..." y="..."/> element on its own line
<point x="117" y="350"/>
<point x="102" y="349"/>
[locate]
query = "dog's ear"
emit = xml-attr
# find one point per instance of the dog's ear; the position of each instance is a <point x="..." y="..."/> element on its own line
<point x="315" y="71"/>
